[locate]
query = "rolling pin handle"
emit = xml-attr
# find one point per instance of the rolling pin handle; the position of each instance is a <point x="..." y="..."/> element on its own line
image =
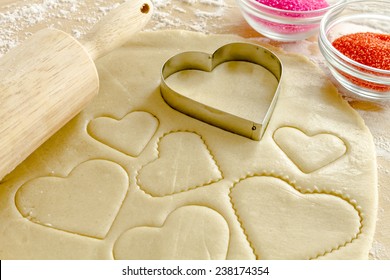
<point x="117" y="27"/>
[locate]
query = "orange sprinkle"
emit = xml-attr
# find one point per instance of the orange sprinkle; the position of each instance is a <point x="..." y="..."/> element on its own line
<point x="371" y="49"/>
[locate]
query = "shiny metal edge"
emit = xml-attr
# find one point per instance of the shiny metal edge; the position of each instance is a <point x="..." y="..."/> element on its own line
<point x="205" y="62"/>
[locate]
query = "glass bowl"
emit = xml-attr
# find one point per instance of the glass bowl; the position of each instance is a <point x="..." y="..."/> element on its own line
<point x="354" y="17"/>
<point x="283" y="25"/>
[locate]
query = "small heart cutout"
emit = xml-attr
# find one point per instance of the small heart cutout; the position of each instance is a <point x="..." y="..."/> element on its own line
<point x="189" y="233"/>
<point x="130" y="135"/>
<point x="184" y="162"/>
<point x="283" y="223"/>
<point x="309" y="153"/>
<point x="86" y="202"/>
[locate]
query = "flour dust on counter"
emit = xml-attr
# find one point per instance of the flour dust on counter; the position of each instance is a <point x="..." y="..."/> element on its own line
<point x="19" y="20"/>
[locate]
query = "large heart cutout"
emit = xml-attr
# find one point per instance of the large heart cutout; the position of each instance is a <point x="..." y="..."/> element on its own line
<point x="86" y="202"/>
<point x="130" y="135"/>
<point x="239" y="101"/>
<point x="283" y="223"/>
<point x="309" y="153"/>
<point x="184" y="162"/>
<point x="190" y="232"/>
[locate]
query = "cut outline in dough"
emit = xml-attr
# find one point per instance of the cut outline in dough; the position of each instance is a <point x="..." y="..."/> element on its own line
<point x="53" y="175"/>
<point x="315" y="190"/>
<point x="162" y="225"/>
<point x="159" y="157"/>
<point x="310" y="135"/>
<point x="118" y="120"/>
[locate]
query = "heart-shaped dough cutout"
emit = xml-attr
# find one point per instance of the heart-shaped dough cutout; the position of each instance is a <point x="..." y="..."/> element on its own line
<point x="283" y="223"/>
<point x="130" y="135"/>
<point x="86" y="202"/>
<point x="225" y="101"/>
<point x="309" y="153"/>
<point x="189" y="232"/>
<point x="184" y="162"/>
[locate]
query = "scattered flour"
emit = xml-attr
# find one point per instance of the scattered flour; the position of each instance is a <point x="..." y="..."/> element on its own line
<point x="382" y="144"/>
<point x="19" y="20"/>
<point x="378" y="251"/>
<point x="171" y="14"/>
<point x="16" y="20"/>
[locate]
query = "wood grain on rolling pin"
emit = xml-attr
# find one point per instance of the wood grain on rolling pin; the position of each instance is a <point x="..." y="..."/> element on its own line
<point x="51" y="77"/>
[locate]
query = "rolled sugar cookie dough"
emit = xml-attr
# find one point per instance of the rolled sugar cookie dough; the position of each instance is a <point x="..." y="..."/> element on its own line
<point x="132" y="178"/>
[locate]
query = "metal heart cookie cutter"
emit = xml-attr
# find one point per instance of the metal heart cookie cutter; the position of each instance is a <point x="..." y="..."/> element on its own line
<point x="205" y="62"/>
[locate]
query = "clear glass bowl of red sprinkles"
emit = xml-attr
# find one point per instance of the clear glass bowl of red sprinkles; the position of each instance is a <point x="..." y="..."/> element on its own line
<point x="355" y="42"/>
<point x="286" y="20"/>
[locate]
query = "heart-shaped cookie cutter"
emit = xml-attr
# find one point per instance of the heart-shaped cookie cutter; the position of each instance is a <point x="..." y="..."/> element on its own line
<point x="205" y="62"/>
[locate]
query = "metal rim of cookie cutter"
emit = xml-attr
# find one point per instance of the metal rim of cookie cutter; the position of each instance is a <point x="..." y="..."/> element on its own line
<point x="205" y="62"/>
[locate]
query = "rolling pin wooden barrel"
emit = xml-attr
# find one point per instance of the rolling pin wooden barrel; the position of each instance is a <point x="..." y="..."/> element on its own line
<point x="51" y="77"/>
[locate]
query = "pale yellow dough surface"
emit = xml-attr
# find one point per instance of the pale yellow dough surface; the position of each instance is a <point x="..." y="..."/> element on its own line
<point x="131" y="178"/>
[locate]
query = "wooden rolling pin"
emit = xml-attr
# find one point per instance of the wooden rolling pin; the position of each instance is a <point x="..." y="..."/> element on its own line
<point x="51" y="77"/>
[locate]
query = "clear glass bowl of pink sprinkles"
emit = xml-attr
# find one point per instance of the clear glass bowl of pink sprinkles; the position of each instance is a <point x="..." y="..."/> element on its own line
<point x="355" y="42"/>
<point x="286" y="20"/>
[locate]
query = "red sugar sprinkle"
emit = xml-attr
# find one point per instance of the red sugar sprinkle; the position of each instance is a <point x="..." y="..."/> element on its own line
<point x="295" y="5"/>
<point x="371" y="49"/>
<point x="368" y="48"/>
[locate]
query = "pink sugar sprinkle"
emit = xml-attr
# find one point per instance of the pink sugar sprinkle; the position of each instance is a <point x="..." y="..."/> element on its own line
<point x="295" y="5"/>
